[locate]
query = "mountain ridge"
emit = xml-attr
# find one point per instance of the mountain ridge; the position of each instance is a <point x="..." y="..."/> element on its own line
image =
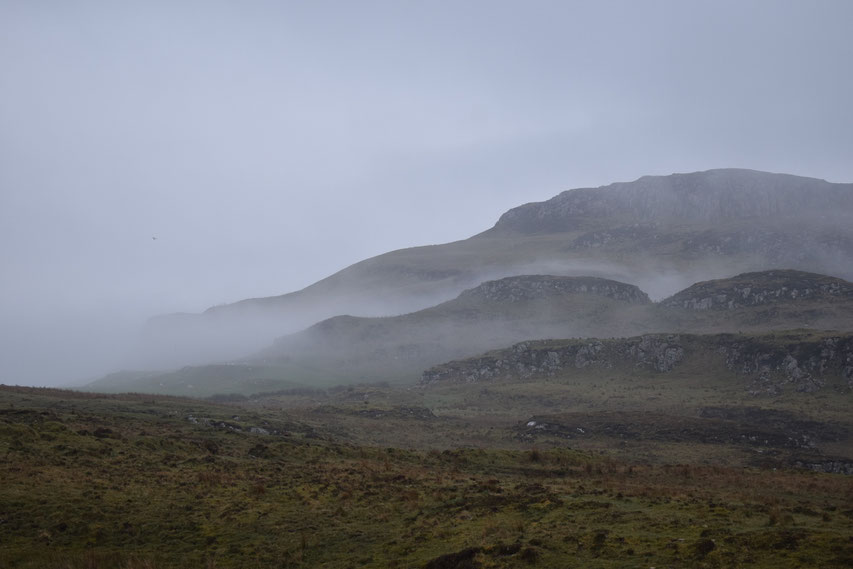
<point x="642" y="242"/>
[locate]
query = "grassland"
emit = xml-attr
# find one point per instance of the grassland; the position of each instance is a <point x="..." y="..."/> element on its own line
<point x="377" y="476"/>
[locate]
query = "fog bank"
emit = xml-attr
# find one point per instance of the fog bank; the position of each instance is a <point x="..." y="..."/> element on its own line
<point x="160" y="156"/>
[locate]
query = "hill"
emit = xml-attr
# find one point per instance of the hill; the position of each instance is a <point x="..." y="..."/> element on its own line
<point x="661" y="233"/>
<point x="495" y="314"/>
<point x="347" y="349"/>
<point x="492" y="314"/>
<point x="769" y="288"/>
<point x="768" y="300"/>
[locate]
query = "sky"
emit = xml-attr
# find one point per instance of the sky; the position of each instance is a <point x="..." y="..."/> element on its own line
<point x="268" y="144"/>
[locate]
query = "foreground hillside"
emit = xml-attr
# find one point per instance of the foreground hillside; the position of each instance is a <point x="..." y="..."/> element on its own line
<point x="153" y="482"/>
<point x="495" y="314"/>
<point x="661" y="233"/>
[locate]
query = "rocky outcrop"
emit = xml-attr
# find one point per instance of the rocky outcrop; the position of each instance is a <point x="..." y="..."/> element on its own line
<point x="534" y="287"/>
<point x="776" y="363"/>
<point x="660" y="353"/>
<point x="771" y="363"/>
<point x="757" y="289"/>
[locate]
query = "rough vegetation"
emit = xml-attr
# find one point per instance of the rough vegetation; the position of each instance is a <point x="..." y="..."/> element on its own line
<point x="152" y="482"/>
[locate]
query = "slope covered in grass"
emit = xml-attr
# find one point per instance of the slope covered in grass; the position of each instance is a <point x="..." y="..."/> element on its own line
<point x="136" y="481"/>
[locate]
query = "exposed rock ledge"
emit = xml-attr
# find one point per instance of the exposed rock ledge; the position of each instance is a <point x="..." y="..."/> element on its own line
<point x="772" y="363"/>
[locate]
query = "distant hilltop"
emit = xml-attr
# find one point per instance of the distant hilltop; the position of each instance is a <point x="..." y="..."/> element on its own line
<point x="703" y="197"/>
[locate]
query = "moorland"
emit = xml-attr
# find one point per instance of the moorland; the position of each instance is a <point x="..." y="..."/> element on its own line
<point x="649" y="374"/>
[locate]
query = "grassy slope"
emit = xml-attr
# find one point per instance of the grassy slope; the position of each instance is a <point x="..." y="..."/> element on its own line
<point x="372" y="476"/>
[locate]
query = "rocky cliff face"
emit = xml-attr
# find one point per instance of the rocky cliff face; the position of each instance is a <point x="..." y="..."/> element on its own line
<point x="534" y="287"/>
<point x="802" y="365"/>
<point x="771" y="364"/>
<point x="758" y="289"/>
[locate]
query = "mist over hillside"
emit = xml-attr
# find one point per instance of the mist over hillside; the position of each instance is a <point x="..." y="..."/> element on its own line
<point x="661" y="233"/>
<point x="345" y="350"/>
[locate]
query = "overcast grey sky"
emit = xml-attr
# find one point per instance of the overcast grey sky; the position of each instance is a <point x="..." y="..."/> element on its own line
<point x="269" y="144"/>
